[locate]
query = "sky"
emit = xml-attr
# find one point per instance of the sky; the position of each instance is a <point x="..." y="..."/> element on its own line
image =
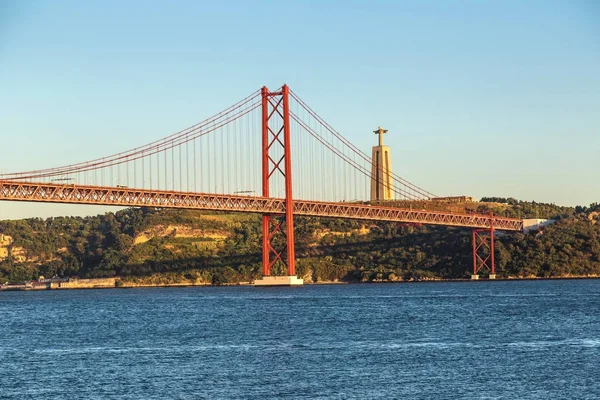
<point x="481" y="98"/>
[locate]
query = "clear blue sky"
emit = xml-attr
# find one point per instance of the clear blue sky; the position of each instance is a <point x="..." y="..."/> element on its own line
<point x="483" y="98"/>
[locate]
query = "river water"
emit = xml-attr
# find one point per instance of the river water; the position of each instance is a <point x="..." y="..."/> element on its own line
<point x="460" y="340"/>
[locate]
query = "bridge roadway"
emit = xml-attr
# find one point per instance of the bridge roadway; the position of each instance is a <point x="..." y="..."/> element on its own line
<point x="98" y="195"/>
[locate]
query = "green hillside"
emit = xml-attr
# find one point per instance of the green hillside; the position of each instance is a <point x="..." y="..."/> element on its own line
<point x="179" y="246"/>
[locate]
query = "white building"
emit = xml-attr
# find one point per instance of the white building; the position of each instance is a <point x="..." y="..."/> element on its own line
<point x="535" y="223"/>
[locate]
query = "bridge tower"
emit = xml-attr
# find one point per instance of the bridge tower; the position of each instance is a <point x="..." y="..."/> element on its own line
<point x="381" y="170"/>
<point x="278" y="230"/>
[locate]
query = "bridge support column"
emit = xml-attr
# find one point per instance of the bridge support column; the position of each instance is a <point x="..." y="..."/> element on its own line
<point x="278" y="230"/>
<point x="483" y="252"/>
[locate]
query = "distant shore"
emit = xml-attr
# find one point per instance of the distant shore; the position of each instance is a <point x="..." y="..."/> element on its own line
<point x="118" y="283"/>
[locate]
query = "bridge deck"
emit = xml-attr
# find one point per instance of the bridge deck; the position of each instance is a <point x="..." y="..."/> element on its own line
<point x="75" y="194"/>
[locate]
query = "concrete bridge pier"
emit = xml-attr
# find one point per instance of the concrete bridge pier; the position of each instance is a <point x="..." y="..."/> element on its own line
<point x="290" y="280"/>
<point x="475" y="277"/>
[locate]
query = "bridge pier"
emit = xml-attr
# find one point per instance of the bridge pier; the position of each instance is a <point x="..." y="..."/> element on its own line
<point x="291" y="280"/>
<point x="483" y="252"/>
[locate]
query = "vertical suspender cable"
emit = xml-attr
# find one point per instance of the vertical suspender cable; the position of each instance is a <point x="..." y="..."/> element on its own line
<point x="245" y="148"/>
<point x="208" y="153"/>
<point x="220" y="153"/>
<point x="237" y="155"/>
<point x="180" y="171"/>
<point x="227" y="180"/>
<point x="187" y="162"/>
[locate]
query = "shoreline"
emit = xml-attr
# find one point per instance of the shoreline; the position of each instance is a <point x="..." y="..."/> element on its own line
<point x="90" y="285"/>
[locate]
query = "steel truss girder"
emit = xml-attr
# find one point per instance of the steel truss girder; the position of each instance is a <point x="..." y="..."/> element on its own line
<point x="126" y="197"/>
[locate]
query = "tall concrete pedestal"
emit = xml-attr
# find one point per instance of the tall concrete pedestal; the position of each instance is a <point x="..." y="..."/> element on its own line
<point x="382" y="187"/>
<point x="474" y="277"/>
<point x="279" y="281"/>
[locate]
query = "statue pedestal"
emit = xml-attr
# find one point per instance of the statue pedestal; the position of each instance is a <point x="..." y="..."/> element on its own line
<point x="382" y="185"/>
<point x="381" y="170"/>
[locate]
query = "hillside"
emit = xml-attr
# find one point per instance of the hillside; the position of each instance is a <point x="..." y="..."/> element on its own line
<point x="182" y="246"/>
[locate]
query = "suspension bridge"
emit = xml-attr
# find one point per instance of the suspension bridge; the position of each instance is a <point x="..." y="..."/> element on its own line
<point x="242" y="160"/>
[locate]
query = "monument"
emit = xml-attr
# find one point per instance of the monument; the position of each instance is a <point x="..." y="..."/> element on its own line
<point x="381" y="170"/>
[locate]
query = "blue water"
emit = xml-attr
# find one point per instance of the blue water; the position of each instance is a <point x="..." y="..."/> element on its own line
<point x="471" y="340"/>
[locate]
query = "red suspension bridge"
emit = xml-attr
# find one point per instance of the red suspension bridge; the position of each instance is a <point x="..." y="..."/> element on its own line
<point x="242" y="160"/>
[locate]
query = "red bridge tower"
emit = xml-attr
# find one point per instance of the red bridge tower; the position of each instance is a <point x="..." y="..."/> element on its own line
<point x="277" y="161"/>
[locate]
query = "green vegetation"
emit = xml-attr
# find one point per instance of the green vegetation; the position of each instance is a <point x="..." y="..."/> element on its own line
<point x="147" y="246"/>
<point x="513" y="208"/>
